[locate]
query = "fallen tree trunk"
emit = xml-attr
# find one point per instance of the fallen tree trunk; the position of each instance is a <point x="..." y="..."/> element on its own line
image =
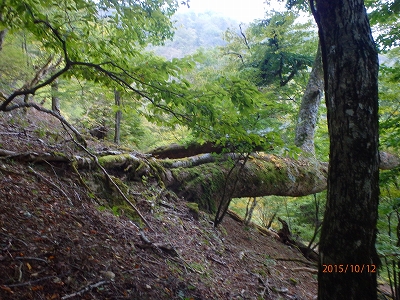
<point x="206" y="179"/>
<point x="262" y="175"/>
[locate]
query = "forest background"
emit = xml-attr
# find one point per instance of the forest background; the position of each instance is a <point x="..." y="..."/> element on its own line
<point x="234" y="84"/>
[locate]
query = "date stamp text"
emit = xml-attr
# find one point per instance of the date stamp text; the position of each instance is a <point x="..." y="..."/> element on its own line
<point x="349" y="268"/>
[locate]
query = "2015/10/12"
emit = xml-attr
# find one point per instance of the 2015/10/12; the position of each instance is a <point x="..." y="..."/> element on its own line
<point x="344" y="268"/>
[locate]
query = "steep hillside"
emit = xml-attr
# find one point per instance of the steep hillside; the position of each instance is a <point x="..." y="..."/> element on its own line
<point x="65" y="234"/>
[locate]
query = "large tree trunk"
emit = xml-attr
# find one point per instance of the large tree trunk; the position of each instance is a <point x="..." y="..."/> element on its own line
<point x="308" y="113"/>
<point x="203" y="178"/>
<point x="209" y="181"/>
<point x="347" y="244"/>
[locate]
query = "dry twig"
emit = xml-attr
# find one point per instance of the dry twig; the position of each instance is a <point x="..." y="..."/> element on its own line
<point x="85" y="289"/>
<point x="304" y="269"/>
<point x="52" y="184"/>
<point x="295" y="260"/>
<point x="31" y="258"/>
<point x="32" y="281"/>
<point x="95" y="159"/>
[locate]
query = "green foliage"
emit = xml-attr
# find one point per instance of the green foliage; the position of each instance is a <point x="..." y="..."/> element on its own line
<point x="301" y="213"/>
<point x="274" y="55"/>
<point x="384" y="16"/>
<point x="297" y="4"/>
<point x="388" y="223"/>
<point x="275" y="59"/>
<point x="94" y="38"/>
<point x="14" y="65"/>
<point x="273" y="51"/>
<point x="229" y="112"/>
<point x="101" y="45"/>
<point x="389" y="92"/>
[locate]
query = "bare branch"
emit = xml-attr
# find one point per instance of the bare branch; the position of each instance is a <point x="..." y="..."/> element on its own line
<point x="30" y="89"/>
<point x="94" y="157"/>
<point x="54" y="114"/>
<point x="85" y="289"/>
<point x="244" y="37"/>
<point x="42" y="72"/>
<point x="32" y="282"/>
<point x="237" y="54"/>
<point x="48" y="181"/>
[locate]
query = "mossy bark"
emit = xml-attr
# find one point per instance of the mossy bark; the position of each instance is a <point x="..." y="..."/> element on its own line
<point x="262" y="175"/>
<point x="208" y="180"/>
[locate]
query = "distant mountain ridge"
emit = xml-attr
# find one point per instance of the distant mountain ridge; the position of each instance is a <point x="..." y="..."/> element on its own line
<point x="194" y="31"/>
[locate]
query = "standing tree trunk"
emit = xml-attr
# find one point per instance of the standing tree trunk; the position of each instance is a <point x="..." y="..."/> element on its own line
<point x="3" y="33"/>
<point x="350" y="61"/>
<point x="55" y="100"/>
<point x="308" y="113"/>
<point x="251" y="205"/>
<point x="118" y="116"/>
<point x="2" y="37"/>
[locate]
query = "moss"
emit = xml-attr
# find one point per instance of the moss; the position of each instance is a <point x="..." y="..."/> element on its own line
<point x="193" y="206"/>
<point x="126" y="210"/>
<point x="106" y="190"/>
<point x="122" y="186"/>
<point x="273" y="173"/>
<point x="158" y="172"/>
<point x="292" y="281"/>
<point x="113" y="195"/>
<point x="60" y="154"/>
<point x="193" y="209"/>
<point x="111" y="160"/>
<point x="205" y="181"/>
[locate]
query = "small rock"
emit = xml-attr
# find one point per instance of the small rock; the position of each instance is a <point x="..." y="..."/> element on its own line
<point x="108" y="275"/>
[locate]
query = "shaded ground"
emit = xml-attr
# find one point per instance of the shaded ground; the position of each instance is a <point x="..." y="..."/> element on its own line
<point x="56" y="242"/>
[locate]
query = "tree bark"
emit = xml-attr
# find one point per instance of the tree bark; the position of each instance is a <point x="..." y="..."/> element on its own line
<point x="174" y="151"/>
<point x="348" y="234"/>
<point x="208" y="179"/>
<point x="202" y="178"/>
<point x="55" y="100"/>
<point x="118" y="117"/>
<point x="308" y="113"/>
<point x="3" y="34"/>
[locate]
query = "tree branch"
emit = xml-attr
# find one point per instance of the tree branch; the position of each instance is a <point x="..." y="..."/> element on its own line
<point x="95" y="159"/>
<point x="54" y="114"/>
<point x="244" y="37"/>
<point x="237" y="54"/>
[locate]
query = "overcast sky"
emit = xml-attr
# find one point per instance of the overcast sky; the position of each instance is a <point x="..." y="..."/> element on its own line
<point x="240" y="10"/>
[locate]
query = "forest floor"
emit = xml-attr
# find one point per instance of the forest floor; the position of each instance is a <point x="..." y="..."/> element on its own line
<point x="57" y="242"/>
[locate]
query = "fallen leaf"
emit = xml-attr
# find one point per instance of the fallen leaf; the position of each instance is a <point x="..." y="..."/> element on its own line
<point x="6" y="288"/>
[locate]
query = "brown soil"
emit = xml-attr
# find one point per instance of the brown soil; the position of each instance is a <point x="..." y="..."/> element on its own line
<point x="56" y="242"/>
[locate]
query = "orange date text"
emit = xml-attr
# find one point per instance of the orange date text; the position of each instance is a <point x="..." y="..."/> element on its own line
<point x="348" y="268"/>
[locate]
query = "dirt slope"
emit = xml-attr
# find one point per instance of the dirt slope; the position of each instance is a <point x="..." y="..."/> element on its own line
<point x="56" y="242"/>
